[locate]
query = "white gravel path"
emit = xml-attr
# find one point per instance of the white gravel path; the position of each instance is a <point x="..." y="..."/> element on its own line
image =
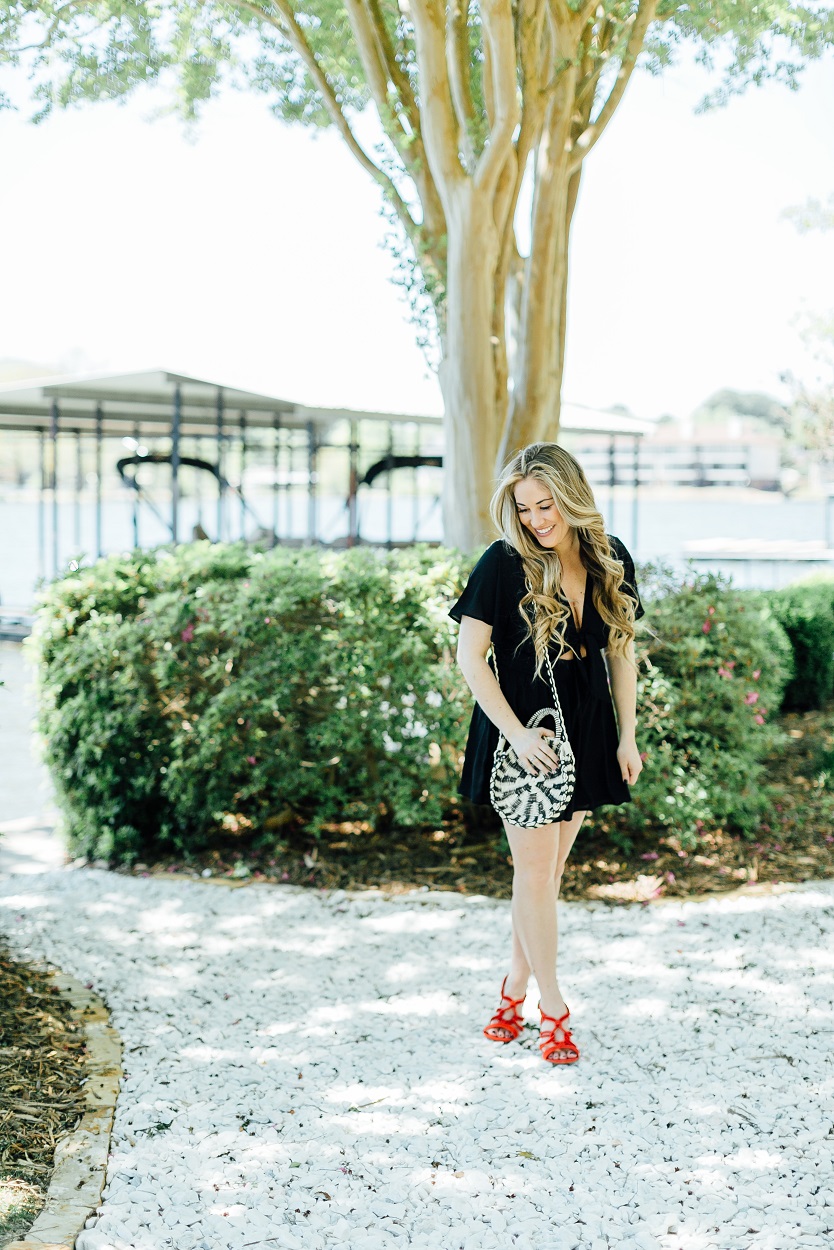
<point x="307" y="1070"/>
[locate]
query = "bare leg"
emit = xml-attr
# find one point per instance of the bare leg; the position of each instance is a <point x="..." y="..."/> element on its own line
<point x="567" y="837"/>
<point x="543" y="853"/>
<point x="539" y="858"/>
<point x="535" y="858"/>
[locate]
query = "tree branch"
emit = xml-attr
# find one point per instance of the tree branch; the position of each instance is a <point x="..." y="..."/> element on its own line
<point x="499" y="38"/>
<point x="437" y="110"/>
<point x="587" y="87"/>
<point x="534" y="42"/>
<point x="587" y="11"/>
<point x="287" y="26"/>
<point x="488" y="82"/>
<point x="457" y="57"/>
<point x="382" y="68"/>
<point x="53" y="26"/>
<point x="396" y="74"/>
<point x="640" y="22"/>
<point x="535" y="54"/>
<point x="536" y="369"/>
<point x="371" y="40"/>
<point x="376" y="73"/>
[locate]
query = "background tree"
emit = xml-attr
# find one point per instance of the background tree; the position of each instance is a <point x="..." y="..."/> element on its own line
<point x="813" y="406"/>
<point x="727" y="403"/>
<point x="474" y="99"/>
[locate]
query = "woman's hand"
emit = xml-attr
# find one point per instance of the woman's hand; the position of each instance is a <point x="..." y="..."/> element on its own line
<point x="628" y="757"/>
<point x="536" y="756"/>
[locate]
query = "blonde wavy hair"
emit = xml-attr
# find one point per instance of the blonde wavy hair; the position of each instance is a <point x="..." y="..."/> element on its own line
<point x="544" y="614"/>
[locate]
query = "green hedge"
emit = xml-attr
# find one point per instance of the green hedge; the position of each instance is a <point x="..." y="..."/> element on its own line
<point x="806" y="612"/>
<point x="212" y="688"/>
<point x="183" y="693"/>
<point x="714" y="664"/>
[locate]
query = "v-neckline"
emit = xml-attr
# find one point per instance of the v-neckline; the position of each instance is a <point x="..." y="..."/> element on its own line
<point x="577" y="624"/>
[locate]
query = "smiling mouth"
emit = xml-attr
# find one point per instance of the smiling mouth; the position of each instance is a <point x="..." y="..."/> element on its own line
<point x="543" y="533"/>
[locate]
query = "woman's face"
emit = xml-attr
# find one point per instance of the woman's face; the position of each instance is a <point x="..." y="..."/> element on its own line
<point x="538" y="513"/>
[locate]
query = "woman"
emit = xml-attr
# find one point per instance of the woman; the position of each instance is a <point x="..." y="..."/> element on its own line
<point x="553" y="585"/>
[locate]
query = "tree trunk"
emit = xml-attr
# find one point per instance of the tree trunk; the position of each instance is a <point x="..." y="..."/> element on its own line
<point x="474" y="413"/>
<point x="535" y="404"/>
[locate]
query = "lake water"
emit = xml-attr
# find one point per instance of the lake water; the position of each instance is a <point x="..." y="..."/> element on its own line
<point x="665" y="523"/>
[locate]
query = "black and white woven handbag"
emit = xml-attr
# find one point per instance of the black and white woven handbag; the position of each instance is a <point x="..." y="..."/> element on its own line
<point x="521" y="798"/>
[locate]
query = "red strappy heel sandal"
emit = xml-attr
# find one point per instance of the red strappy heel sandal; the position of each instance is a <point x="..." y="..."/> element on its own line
<point x="513" y="1026"/>
<point x="565" y="1050"/>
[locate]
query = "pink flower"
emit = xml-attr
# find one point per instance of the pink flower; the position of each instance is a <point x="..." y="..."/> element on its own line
<point x="757" y="672"/>
<point x="644" y="755"/>
<point x="758" y="718"/>
<point x="650" y="855"/>
<point x="711" y="611"/>
<point x="250" y="759"/>
<point x="751" y="697"/>
<point x="724" y="672"/>
<point x="188" y="633"/>
<point x="266" y="620"/>
<point x="706" y="627"/>
<point x="671" y="878"/>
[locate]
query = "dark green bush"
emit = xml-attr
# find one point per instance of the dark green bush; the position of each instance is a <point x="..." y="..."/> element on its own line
<point x="713" y="665"/>
<point x="806" y="612"/>
<point x="214" y="687"/>
<point x="211" y="688"/>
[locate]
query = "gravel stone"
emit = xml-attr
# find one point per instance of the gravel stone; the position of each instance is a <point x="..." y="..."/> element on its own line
<point x="305" y="1069"/>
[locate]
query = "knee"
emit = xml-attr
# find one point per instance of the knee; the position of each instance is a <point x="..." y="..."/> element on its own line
<point x="537" y="874"/>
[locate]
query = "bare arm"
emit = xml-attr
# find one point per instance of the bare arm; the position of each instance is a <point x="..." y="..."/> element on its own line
<point x="623" y="673"/>
<point x="530" y="746"/>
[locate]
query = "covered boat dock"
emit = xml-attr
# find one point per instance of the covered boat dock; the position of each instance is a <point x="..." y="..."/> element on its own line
<point x="108" y="462"/>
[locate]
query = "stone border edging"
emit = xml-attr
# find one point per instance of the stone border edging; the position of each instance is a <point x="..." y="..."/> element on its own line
<point x="81" y="1157"/>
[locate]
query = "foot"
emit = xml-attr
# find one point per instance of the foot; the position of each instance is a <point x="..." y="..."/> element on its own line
<point x="507" y="1022"/>
<point x="555" y="1041"/>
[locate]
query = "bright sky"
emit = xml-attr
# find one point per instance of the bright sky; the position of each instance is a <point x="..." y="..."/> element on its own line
<point x="251" y="253"/>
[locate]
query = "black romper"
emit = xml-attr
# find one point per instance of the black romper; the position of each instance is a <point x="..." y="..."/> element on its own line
<point x="492" y="594"/>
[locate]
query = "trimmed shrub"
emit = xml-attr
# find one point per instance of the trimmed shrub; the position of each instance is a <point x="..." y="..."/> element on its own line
<point x="217" y="688"/>
<point x="806" y="612"/>
<point x="188" y="692"/>
<point x="714" y="662"/>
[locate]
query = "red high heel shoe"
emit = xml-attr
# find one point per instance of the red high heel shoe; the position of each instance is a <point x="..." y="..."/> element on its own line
<point x="565" y="1050"/>
<point x="513" y="1026"/>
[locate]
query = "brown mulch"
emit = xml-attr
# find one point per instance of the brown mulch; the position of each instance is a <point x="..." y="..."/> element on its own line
<point x="797" y="844"/>
<point x="42" y="1066"/>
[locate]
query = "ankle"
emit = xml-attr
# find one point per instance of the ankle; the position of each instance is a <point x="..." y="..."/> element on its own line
<point x="516" y="986"/>
<point x="554" y="1006"/>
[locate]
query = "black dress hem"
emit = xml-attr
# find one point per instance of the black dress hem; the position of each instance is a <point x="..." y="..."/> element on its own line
<point x="492" y="594"/>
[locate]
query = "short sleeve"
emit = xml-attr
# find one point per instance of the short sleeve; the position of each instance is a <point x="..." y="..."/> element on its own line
<point x="629" y="587"/>
<point x="482" y="595"/>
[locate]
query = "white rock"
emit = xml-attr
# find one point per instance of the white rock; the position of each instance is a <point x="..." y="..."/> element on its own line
<point x="224" y="997"/>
